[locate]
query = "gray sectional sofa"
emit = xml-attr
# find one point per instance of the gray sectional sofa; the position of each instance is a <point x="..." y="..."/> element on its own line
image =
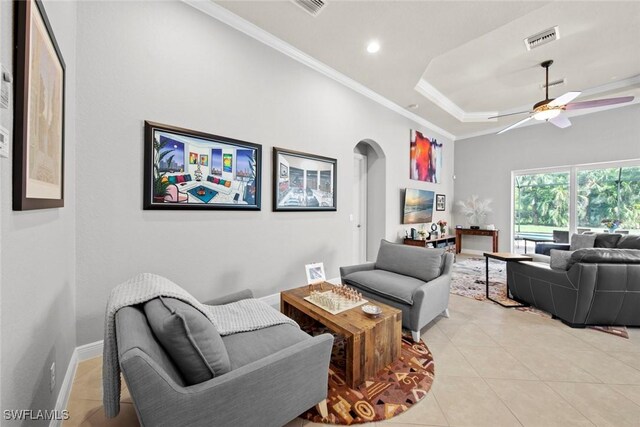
<point x="598" y="285"/>
<point x="271" y="376"/>
<point x="413" y="279"/>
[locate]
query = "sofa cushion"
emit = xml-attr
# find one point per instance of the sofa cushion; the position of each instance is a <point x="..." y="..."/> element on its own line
<point x="172" y="179"/>
<point x="216" y="180"/>
<point x="605" y="256"/>
<point x="180" y="179"/>
<point x="188" y="178"/>
<point x="247" y="347"/>
<point x="210" y="178"/>
<point x="421" y="263"/>
<point x="629" y="241"/>
<point x="582" y="241"/>
<point x="559" y="259"/>
<point x="227" y="184"/>
<point x="189" y="338"/>
<point x="385" y="283"/>
<point x="606" y="240"/>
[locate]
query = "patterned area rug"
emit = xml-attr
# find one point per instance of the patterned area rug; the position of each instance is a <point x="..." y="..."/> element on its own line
<point x="468" y="281"/>
<point x="396" y="388"/>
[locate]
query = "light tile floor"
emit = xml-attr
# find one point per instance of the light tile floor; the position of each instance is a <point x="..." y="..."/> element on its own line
<point x="494" y="367"/>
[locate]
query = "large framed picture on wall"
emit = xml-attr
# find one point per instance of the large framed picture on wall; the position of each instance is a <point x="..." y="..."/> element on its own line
<point x="303" y="181"/>
<point x="187" y="169"/>
<point x="38" y="156"/>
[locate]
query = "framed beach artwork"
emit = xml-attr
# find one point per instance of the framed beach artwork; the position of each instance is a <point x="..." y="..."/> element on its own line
<point x="38" y="159"/>
<point x="303" y="181"/>
<point x="171" y="181"/>
<point x="425" y="158"/>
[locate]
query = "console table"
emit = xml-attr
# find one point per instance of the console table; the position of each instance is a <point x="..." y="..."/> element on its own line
<point x="489" y="233"/>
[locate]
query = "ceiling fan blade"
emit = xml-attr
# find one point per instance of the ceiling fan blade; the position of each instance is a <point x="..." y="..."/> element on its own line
<point x="561" y="121"/>
<point x="509" y="114"/>
<point x="564" y="99"/>
<point x="515" y="125"/>
<point x="598" y="103"/>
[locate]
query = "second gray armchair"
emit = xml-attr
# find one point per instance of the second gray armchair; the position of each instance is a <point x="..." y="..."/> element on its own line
<point x="414" y="280"/>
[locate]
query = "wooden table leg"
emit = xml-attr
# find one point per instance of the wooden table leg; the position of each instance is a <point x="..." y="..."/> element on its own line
<point x="354" y="368"/>
<point x="458" y="241"/>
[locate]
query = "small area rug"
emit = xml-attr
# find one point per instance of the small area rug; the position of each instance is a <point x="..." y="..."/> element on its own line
<point x="468" y="278"/>
<point x="396" y="388"/>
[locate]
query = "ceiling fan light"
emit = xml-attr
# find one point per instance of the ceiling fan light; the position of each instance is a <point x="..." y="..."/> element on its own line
<point x="547" y="114"/>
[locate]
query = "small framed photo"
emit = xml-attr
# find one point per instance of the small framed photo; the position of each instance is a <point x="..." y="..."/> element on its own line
<point x="440" y="202"/>
<point x="315" y="273"/>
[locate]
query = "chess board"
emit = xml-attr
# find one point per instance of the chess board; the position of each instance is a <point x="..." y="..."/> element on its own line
<point x="344" y="303"/>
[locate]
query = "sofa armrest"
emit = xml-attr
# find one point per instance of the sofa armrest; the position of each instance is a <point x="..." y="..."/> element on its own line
<point x="227" y="299"/>
<point x="344" y="271"/>
<point x="277" y="388"/>
<point x="545" y="248"/>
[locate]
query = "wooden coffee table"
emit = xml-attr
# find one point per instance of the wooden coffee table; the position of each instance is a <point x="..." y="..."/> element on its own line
<point x="371" y="343"/>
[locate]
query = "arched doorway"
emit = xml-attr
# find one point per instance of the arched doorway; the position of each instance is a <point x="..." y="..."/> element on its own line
<point x="369" y="196"/>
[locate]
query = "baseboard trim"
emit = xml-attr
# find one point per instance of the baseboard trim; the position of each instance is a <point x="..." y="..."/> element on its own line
<point x="89" y="351"/>
<point x="65" y="388"/>
<point x="473" y="252"/>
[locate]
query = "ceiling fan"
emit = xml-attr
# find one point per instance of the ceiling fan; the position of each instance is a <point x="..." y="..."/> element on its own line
<point x="551" y="109"/>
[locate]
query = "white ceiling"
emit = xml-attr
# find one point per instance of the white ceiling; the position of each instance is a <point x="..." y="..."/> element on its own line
<point x="461" y="59"/>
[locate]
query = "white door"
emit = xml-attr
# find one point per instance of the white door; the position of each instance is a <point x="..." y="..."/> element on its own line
<point x="359" y="215"/>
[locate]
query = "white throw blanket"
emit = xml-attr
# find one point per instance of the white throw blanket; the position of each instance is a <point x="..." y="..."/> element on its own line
<point x="240" y="316"/>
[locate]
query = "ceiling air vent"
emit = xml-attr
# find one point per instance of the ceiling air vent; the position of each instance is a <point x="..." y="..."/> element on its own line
<point x="543" y="37"/>
<point x="312" y="7"/>
<point x="554" y="83"/>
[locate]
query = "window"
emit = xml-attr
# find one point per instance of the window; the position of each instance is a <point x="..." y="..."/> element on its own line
<point x="541" y="203"/>
<point x="575" y="199"/>
<point x="609" y="194"/>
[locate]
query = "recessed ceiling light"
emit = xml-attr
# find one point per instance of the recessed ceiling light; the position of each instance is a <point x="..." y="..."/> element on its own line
<point x="373" y="46"/>
<point x="413" y="106"/>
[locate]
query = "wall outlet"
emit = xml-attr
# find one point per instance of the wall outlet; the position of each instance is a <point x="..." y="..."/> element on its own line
<point x="52" y="382"/>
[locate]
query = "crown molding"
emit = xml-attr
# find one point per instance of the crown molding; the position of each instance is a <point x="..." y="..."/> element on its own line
<point x="434" y="95"/>
<point x="231" y="19"/>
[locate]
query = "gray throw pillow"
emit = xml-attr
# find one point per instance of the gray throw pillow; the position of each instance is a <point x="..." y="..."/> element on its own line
<point x="559" y="260"/>
<point x="582" y="241"/>
<point x="607" y="240"/>
<point x="189" y="338"/>
<point x="630" y="241"/>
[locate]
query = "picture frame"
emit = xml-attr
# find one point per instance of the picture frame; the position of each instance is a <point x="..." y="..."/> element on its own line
<point x="303" y="181"/>
<point x="171" y="181"/>
<point x="440" y="202"/>
<point x="40" y="72"/>
<point x="315" y="273"/>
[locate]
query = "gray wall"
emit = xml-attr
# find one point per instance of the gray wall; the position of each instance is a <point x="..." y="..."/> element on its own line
<point x="38" y="255"/>
<point x="167" y="62"/>
<point x="484" y="164"/>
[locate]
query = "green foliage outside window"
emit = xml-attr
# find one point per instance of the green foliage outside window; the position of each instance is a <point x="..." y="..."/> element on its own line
<point x="542" y="200"/>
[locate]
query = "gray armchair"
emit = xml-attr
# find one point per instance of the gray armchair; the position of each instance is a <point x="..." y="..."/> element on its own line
<point x="276" y="374"/>
<point x="415" y="280"/>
